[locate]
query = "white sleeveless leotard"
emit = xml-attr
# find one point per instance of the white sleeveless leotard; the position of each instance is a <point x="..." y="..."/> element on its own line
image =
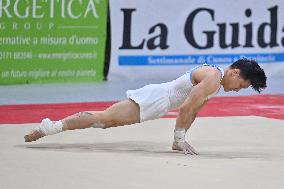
<point x="180" y="88"/>
<point x="155" y="100"/>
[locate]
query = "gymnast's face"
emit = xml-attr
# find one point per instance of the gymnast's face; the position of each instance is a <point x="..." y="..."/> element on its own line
<point x="234" y="82"/>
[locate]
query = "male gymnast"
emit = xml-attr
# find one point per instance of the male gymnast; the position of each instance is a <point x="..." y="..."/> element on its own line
<point x="190" y="92"/>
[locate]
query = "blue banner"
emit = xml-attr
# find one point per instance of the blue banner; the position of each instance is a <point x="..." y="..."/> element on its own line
<point x="160" y="60"/>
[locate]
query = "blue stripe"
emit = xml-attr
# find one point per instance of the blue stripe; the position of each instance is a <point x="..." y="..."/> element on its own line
<point x="159" y="60"/>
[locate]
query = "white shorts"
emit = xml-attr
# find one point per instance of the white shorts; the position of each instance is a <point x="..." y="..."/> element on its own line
<point x="152" y="99"/>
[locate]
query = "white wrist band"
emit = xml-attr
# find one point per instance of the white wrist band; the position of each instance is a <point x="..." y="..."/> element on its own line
<point x="179" y="135"/>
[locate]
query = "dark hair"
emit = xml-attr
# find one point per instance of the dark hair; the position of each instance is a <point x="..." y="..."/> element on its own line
<point x="250" y="70"/>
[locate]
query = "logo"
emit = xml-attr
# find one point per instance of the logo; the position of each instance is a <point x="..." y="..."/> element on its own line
<point x="34" y="13"/>
<point x="227" y="35"/>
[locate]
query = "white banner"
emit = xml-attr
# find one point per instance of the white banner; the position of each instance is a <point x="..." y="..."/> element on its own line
<point x="165" y="38"/>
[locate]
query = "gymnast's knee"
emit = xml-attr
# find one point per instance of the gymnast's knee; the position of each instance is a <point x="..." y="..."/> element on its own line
<point x="103" y="120"/>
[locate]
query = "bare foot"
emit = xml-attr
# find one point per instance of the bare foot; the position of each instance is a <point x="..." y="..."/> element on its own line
<point x="33" y="136"/>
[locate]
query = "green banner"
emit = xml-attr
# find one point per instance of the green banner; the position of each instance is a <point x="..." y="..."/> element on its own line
<point x="52" y="40"/>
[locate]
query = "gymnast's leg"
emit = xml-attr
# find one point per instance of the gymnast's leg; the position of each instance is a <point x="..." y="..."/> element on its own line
<point x="126" y="112"/>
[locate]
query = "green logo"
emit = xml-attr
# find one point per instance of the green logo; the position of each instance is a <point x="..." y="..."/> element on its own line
<point x="52" y="40"/>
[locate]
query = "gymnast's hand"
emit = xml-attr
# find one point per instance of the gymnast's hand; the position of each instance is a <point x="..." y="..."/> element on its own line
<point x="184" y="147"/>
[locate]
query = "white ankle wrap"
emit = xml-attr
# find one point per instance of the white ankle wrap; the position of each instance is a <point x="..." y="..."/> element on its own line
<point x="50" y="128"/>
<point x="179" y="135"/>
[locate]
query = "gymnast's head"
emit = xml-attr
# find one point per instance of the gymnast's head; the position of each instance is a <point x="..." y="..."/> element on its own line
<point x="242" y="74"/>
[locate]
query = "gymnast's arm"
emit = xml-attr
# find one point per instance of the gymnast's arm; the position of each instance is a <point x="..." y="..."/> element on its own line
<point x="189" y="109"/>
<point x="195" y="114"/>
<point x="196" y="100"/>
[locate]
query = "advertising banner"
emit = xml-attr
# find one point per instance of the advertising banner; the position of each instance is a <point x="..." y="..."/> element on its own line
<point x="52" y="40"/>
<point x="163" y="39"/>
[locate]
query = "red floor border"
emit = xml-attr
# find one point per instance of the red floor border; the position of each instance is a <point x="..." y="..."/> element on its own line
<point x="271" y="106"/>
